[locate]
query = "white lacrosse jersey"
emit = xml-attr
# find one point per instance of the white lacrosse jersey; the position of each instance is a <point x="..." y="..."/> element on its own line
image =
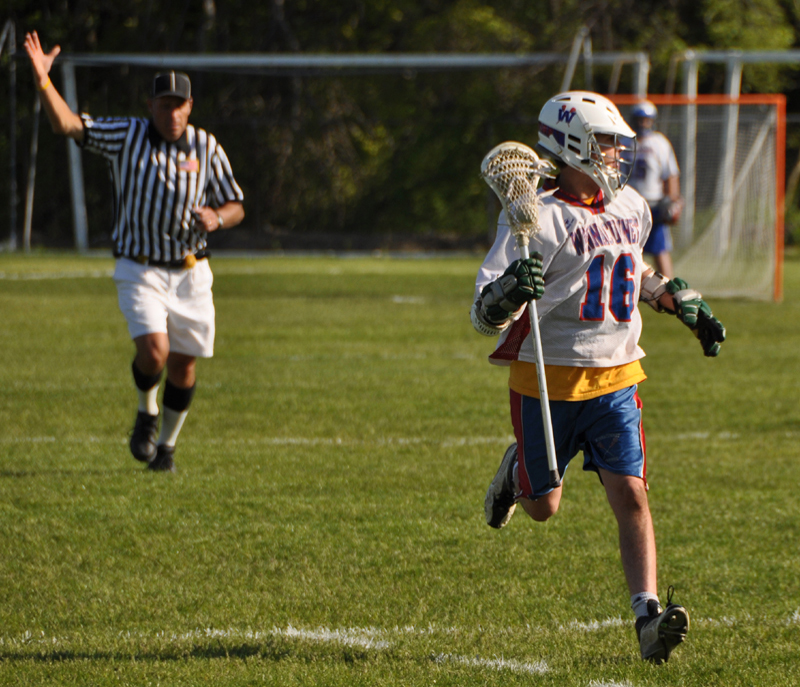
<point x="655" y="163"/>
<point x="589" y="315"/>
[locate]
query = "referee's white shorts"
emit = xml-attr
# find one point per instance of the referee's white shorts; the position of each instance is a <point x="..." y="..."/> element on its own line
<point x="176" y="302"/>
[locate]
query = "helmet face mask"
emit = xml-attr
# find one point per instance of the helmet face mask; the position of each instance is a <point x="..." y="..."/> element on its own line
<point x="586" y="132"/>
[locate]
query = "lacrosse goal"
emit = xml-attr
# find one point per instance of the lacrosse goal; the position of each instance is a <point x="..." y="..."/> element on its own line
<point x="729" y="240"/>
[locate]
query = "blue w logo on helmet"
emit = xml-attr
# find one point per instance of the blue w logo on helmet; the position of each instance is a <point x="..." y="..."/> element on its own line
<point x="566" y="115"/>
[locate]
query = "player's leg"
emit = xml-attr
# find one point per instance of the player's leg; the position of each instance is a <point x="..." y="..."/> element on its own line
<point x="148" y="364"/>
<point x="191" y="335"/>
<point x="627" y="497"/>
<point x="659" y="631"/>
<point x="544" y="507"/>
<point x="141" y="294"/>
<point x="504" y="494"/>
<point x="152" y="351"/>
<point x="524" y="476"/>
<point x="614" y="447"/>
<point x="178" y="393"/>
<point x="181" y="370"/>
<point x="537" y="498"/>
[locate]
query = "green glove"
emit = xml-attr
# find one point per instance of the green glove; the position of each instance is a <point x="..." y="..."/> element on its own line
<point x="694" y="312"/>
<point x="521" y="282"/>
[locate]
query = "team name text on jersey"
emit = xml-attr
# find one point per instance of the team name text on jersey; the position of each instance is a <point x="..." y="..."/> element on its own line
<point x="620" y="231"/>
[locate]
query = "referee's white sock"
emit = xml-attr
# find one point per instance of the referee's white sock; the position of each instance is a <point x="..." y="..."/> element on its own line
<point x="171" y="424"/>
<point x="176" y="404"/>
<point x="147" y="388"/>
<point x="148" y="400"/>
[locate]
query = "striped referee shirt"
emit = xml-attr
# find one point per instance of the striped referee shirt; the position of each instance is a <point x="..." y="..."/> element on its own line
<point x="156" y="185"/>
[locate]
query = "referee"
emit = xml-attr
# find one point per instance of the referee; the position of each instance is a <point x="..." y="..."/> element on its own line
<point x="172" y="184"/>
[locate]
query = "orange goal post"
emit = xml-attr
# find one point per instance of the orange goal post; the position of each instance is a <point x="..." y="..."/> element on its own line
<point x="731" y="154"/>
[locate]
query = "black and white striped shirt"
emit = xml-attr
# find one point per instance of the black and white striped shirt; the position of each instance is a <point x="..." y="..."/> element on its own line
<point x="157" y="184"/>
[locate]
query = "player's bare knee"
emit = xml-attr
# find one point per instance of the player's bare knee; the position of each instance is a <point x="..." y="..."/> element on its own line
<point x="627" y="495"/>
<point x="542" y="509"/>
<point x="151" y="359"/>
<point x="152" y="352"/>
<point x="181" y="369"/>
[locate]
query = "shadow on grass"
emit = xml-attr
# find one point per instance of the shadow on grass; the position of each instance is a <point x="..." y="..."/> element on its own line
<point x="21" y="474"/>
<point x="271" y="649"/>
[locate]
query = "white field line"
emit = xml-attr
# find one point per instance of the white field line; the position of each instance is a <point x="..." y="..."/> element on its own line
<point x="536" y="668"/>
<point x="39" y="276"/>
<point x="594" y="625"/>
<point x="367" y="638"/>
<point x="408" y="300"/>
<point x="348" y="637"/>
<point x="375" y="638"/>
<point x="446" y="442"/>
<point x="703" y="436"/>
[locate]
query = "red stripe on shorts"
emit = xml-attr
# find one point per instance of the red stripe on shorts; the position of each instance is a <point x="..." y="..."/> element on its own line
<point x="516" y="421"/>
<point x="640" y="405"/>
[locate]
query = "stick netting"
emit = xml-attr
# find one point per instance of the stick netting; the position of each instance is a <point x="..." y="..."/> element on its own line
<point x="512" y="171"/>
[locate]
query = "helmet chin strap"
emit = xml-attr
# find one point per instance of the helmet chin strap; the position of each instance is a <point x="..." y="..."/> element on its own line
<point x="603" y="183"/>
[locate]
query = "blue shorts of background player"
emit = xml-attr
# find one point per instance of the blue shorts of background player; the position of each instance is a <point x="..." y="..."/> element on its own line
<point x="659" y="241"/>
<point x="608" y="430"/>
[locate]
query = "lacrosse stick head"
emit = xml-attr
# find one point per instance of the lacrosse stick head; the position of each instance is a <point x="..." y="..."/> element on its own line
<point x="512" y="170"/>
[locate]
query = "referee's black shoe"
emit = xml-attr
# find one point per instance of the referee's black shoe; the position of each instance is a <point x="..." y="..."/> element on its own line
<point x="163" y="461"/>
<point x="143" y="437"/>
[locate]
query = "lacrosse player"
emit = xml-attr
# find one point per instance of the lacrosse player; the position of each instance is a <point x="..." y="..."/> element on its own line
<point x="172" y="185"/>
<point x="587" y="275"/>
<point x="656" y="176"/>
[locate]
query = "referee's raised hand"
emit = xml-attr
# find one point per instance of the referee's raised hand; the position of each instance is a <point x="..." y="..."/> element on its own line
<point x="40" y="61"/>
<point x="62" y="119"/>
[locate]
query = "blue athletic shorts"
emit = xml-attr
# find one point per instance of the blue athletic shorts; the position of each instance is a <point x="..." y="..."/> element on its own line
<point x="608" y="430"/>
<point x="659" y="241"/>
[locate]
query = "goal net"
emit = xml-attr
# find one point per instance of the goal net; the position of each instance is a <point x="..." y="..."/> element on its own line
<point x="729" y="240"/>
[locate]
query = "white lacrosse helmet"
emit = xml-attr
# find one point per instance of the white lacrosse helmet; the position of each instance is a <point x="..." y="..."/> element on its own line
<point x="568" y="126"/>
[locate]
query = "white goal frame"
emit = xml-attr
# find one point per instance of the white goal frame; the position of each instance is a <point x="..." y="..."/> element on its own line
<point x="316" y="64"/>
<point x="731" y="152"/>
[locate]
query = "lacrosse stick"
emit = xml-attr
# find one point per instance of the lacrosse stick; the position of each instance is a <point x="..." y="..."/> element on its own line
<point x="512" y="171"/>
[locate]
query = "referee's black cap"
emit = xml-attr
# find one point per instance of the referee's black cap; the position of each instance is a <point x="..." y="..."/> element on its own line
<point x="171" y="83"/>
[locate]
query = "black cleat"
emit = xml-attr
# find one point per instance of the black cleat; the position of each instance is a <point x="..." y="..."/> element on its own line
<point x="661" y="631"/>
<point x="163" y="461"/>
<point x="500" y="501"/>
<point x="143" y="437"/>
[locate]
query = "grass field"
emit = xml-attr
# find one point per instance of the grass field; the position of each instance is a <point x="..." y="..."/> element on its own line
<point x="326" y="526"/>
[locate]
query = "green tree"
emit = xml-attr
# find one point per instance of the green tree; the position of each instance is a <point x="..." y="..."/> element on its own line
<point x="365" y="154"/>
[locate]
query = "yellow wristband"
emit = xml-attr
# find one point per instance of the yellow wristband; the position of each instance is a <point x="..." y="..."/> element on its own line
<point x="46" y="86"/>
